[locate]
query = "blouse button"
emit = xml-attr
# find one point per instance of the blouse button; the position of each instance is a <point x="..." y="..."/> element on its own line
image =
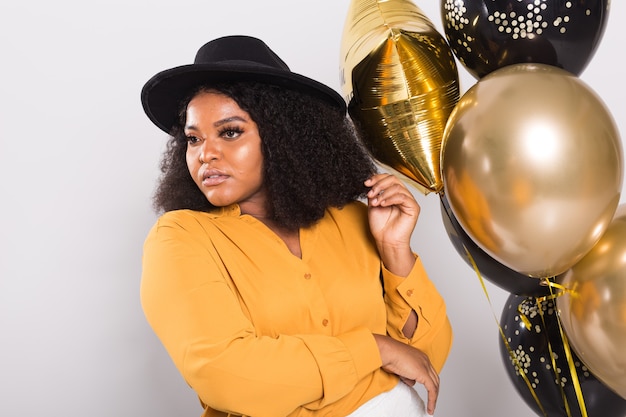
<point x="307" y="276"/>
<point x="409" y="293"/>
<point x="325" y="322"/>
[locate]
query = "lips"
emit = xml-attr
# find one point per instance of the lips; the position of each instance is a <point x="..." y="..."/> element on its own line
<point x="213" y="177"/>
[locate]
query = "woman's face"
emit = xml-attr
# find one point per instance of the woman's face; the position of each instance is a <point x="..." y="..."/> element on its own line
<point x="224" y="152"/>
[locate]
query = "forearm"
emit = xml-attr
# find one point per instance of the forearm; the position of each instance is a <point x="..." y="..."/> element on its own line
<point x="416" y="313"/>
<point x="234" y="369"/>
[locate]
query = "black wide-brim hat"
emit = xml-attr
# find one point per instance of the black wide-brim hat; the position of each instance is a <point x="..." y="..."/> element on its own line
<point x="226" y="59"/>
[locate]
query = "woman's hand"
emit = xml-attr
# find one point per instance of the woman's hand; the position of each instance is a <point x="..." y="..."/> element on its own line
<point x="411" y="365"/>
<point x="393" y="213"/>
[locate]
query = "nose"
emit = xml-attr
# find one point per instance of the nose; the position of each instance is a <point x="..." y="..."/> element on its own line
<point x="209" y="151"/>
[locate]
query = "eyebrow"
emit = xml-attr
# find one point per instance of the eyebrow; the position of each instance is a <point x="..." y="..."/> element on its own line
<point x="220" y="122"/>
<point x="228" y="120"/>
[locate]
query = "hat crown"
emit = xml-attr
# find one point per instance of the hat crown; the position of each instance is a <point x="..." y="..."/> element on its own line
<point x="230" y="49"/>
<point x="225" y="60"/>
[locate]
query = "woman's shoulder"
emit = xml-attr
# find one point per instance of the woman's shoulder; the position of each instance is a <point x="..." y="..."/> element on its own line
<point x="180" y="217"/>
<point x="186" y="222"/>
<point x="185" y="229"/>
<point x="186" y="216"/>
<point x="174" y="221"/>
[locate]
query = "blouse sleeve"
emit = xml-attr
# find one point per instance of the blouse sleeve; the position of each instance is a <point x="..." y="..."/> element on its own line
<point x="192" y="306"/>
<point x="416" y="292"/>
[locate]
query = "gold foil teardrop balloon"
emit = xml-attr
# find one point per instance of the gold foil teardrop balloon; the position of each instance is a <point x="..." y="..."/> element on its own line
<point x="401" y="83"/>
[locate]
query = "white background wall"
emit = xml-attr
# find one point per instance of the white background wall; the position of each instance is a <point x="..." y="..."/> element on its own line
<point x="78" y="162"/>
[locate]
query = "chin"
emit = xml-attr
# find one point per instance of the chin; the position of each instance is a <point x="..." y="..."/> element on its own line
<point x="219" y="201"/>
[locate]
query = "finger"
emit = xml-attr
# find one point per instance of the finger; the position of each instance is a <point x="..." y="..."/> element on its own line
<point x="395" y="194"/>
<point x="434" y="376"/>
<point x="380" y="182"/>
<point x="387" y="195"/>
<point x="398" y="197"/>
<point x="432" y="390"/>
<point x="387" y="187"/>
<point x="382" y="179"/>
<point x="376" y="178"/>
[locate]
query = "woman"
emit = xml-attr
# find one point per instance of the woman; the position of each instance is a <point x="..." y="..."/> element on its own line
<point x="274" y="289"/>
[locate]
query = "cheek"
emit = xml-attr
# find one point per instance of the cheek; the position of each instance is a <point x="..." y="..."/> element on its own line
<point x="192" y="163"/>
<point x="250" y="159"/>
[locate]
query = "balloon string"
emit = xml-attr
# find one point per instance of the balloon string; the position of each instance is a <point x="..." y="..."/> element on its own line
<point x="514" y="359"/>
<point x="566" y="347"/>
<point x="547" y="283"/>
<point x="557" y="371"/>
<point x="574" y="374"/>
<point x="562" y="290"/>
<point x="551" y="285"/>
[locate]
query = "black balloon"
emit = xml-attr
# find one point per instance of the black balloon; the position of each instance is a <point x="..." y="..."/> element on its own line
<point x="489" y="34"/>
<point x="490" y="269"/>
<point x="531" y="348"/>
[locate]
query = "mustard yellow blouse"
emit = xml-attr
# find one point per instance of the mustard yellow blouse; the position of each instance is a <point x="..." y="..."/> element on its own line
<point x="257" y="331"/>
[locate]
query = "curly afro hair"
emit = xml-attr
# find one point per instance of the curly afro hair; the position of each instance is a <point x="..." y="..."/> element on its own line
<point x="313" y="158"/>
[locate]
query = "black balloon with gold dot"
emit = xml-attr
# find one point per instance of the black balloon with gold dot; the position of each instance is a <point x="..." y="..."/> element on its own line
<point x="489" y="34"/>
<point x="536" y="362"/>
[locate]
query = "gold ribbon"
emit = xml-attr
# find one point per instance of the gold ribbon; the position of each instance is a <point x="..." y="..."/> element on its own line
<point x="566" y="348"/>
<point x="519" y="367"/>
<point x="549" y="282"/>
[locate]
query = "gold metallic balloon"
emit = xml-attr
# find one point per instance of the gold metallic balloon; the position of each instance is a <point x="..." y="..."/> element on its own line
<point x="401" y="83"/>
<point x="532" y="166"/>
<point x="594" y="313"/>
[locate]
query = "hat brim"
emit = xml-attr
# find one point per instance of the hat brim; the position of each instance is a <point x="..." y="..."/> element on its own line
<point x="161" y="96"/>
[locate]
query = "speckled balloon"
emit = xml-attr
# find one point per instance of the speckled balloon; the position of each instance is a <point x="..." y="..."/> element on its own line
<point x="489" y="34"/>
<point x="534" y="349"/>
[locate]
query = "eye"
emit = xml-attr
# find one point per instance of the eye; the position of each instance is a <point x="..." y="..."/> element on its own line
<point x="230" y="132"/>
<point x="192" y="139"/>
